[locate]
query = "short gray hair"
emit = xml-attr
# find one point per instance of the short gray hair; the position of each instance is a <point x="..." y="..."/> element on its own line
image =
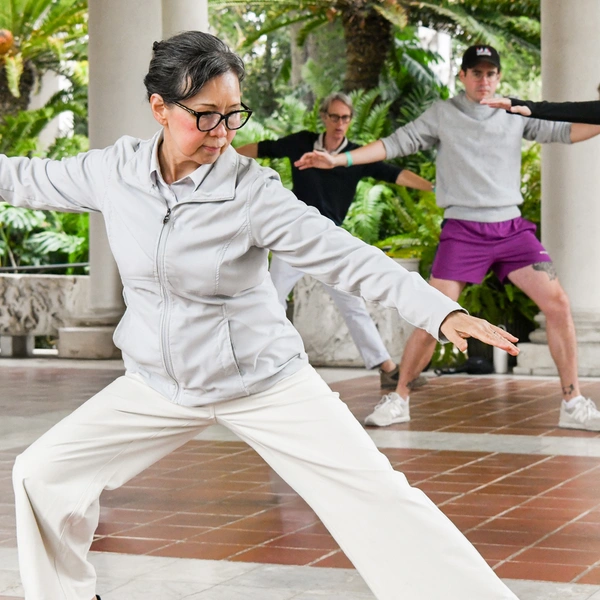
<point x="344" y="98"/>
<point x="181" y="65"/>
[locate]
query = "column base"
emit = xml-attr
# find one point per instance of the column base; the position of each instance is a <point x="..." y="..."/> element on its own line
<point x="17" y="346"/>
<point x="87" y="343"/>
<point x="535" y="359"/>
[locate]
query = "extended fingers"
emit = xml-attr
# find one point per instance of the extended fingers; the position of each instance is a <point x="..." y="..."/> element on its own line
<point x="458" y="326"/>
<point x="505" y="334"/>
<point x="495" y="336"/>
<point x="521" y="110"/>
<point x="305" y="161"/>
<point x="504" y="103"/>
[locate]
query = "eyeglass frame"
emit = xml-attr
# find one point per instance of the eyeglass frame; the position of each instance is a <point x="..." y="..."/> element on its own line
<point x="225" y="118"/>
<point x="337" y="118"/>
<point x="480" y="75"/>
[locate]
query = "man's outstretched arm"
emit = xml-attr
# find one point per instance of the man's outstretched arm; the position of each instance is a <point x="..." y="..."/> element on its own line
<point x="250" y="150"/>
<point x="409" y="179"/>
<point x="583" y="131"/>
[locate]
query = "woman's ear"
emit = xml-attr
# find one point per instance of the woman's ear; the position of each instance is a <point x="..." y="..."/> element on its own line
<point x="159" y="109"/>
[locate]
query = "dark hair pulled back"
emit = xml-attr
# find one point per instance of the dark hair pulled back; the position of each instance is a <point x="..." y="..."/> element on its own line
<point x="181" y="65"/>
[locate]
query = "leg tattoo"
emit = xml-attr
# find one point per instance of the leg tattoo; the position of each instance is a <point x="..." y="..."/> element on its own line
<point x="548" y="267"/>
<point x="568" y="390"/>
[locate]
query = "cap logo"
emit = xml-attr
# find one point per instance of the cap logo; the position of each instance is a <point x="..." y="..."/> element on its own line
<point x="483" y="52"/>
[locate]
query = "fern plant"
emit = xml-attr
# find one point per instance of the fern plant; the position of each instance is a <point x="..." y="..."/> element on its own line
<point x="366" y="211"/>
<point x="370" y="121"/>
<point x="403" y="224"/>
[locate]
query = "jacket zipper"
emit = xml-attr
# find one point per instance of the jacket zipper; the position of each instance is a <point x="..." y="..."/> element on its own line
<point x="160" y="267"/>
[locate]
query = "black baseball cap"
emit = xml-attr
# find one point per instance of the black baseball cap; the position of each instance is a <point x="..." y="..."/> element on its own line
<point x="477" y="54"/>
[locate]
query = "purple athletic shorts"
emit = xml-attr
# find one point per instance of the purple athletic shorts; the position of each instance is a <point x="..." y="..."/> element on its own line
<point x="469" y="249"/>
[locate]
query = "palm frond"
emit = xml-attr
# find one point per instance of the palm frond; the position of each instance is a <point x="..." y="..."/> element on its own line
<point x="394" y="13"/>
<point x="20" y="218"/>
<point x="46" y="242"/>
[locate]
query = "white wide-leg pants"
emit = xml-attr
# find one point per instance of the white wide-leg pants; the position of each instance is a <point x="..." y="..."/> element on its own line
<point x="402" y="545"/>
<point x="353" y="308"/>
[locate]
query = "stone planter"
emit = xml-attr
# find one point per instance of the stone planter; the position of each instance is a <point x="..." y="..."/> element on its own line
<point x="326" y="337"/>
<point x="33" y="305"/>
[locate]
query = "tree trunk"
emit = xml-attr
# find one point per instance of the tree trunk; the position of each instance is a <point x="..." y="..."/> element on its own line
<point x="270" y="102"/>
<point x="368" y="41"/>
<point x="9" y="105"/>
<point x="298" y="54"/>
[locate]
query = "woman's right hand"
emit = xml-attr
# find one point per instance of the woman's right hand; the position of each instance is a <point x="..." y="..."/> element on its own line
<point x="458" y="326"/>
<point x="317" y="159"/>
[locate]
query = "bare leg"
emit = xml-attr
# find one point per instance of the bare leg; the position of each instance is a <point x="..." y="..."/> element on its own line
<point x="421" y="346"/>
<point x="540" y="283"/>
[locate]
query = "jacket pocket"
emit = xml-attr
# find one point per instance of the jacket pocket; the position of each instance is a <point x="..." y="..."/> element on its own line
<point x="227" y="354"/>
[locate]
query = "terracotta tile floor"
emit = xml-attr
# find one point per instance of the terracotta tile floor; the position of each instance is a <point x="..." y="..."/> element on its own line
<point x="456" y="404"/>
<point x="531" y="516"/>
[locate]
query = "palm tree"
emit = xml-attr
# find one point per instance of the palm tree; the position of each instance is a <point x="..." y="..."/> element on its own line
<point x="45" y="35"/>
<point x="368" y="25"/>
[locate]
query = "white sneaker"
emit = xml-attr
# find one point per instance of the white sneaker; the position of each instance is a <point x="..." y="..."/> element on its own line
<point x="584" y="415"/>
<point x="391" y="409"/>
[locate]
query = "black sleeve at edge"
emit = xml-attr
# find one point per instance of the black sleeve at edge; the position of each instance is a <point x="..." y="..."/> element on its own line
<point x="573" y="112"/>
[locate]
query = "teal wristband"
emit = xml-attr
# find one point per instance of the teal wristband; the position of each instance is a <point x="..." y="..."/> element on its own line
<point x="348" y="159"/>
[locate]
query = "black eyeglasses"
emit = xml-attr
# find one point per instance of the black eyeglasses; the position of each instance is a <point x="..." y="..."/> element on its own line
<point x="206" y="121"/>
<point x="338" y="118"/>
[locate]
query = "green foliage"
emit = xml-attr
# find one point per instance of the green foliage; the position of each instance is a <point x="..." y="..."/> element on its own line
<point x="366" y="212"/>
<point x="418" y="223"/>
<point x="319" y="78"/>
<point x="48" y="34"/>
<point x="254" y="132"/>
<point x="512" y="26"/>
<point x="499" y="304"/>
<point x="29" y="237"/>
<point x="288" y="117"/>
<point x="404" y="223"/>
<point x="266" y="54"/>
<point x="370" y="121"/>
<point x="42" y="237"/>
<point x="409" y="66"/>
<point x="531" y="184"/>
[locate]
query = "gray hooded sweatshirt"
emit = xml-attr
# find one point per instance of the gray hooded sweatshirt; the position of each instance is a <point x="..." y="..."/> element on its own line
<point x="478" y="155"/>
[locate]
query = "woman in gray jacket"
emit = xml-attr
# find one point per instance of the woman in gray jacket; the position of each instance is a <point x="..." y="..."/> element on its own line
<point x="204" y="339"/>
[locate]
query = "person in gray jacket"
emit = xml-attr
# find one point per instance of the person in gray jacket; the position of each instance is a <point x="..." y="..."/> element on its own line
<point x="478" y="184"/>
<point x="205" y="340"/>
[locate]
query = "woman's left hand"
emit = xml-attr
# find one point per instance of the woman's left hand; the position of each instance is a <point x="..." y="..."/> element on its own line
<point x="459" y="326"/>
<point x="506" y="104"/>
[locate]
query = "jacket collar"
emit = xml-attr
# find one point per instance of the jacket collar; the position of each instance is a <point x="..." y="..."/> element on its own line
<point x="218" y="185"/>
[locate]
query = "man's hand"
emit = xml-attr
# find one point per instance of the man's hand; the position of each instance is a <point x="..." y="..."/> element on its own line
<point x="320" y="160"/>
<point x="458" y="326"/>
<point x="506" y="104"/>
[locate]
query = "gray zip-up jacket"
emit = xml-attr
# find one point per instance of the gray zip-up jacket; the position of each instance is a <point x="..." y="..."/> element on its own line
<point x="203" y="323"/>
<point x="478" y="164"/>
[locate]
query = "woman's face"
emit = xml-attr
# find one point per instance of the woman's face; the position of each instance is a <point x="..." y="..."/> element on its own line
<point x="183" y="143"/>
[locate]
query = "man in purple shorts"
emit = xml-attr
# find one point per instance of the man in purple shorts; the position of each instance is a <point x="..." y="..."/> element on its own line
<point x="469" y="249"/>
<point x="478" y="184"/>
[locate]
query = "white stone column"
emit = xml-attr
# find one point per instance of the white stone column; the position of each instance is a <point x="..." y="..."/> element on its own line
<point x="182" y="15"/>
<point x="571" y="180"/>
<point x="121" y="36"/>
